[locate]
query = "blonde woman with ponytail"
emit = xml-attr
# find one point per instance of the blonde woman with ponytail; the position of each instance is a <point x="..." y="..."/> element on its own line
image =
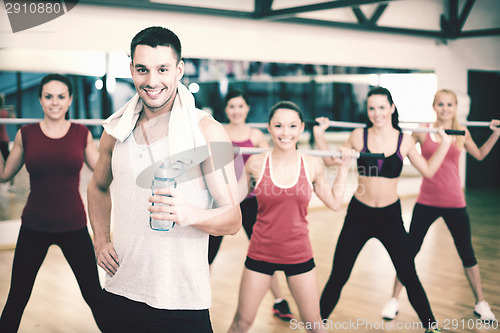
<point x="442" y="196"/>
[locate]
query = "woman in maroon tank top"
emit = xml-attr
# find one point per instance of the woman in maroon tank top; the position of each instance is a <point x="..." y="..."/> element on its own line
<point x="54" y="151"/>
<point x="280" y="239"/>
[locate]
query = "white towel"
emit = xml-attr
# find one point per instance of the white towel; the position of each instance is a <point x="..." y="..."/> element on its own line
<point x="187" y="145"/>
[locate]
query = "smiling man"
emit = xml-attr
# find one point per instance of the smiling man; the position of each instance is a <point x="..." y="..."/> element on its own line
<point x="158" y="281"/>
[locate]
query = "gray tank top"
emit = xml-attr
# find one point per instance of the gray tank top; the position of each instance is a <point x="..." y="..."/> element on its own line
<point x="164" y="269"/>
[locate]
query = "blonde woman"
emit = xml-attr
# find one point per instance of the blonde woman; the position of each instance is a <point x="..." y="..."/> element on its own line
<point x="442" y="196"/>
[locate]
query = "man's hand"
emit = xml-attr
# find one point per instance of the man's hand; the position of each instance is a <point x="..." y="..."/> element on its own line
<point x="107" y="258"/>
<point x="170" y="204"/>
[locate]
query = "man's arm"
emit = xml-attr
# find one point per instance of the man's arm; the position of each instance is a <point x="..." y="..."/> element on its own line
<point x="221" y="182"/>
<point x="99" y="205"/>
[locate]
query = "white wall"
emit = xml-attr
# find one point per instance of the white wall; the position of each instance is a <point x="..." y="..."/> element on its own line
<point x="94" y="28"/>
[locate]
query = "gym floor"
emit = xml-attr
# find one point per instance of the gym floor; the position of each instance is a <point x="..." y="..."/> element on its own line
<point x="56" y="304"/>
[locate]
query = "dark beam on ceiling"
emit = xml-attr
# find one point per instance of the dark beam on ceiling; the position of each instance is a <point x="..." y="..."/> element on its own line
<point x="292" y="11"/>
<point x="453" y="18"/>
<point x="355" y="26"/>
<point x="452" y="25"/>
<point x="372" y="21"/>
<point x="145" y="4"/>
<point x="262" y="7"/>
<point x="446" y="21"/>
<point x="480" y="33"/>
<point x="465" y="13"/>
<point x="401" y="31"/>
<point x="376" y="15"/>
<point x="359" y="15"/>
<point x="265" y="5"/>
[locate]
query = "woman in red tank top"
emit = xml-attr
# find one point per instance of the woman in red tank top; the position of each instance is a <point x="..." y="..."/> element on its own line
<point x="54" y="151"/>
<point x="284" y="181"/>
<point x="237" y="107"/>
<point x="442" y="196"/>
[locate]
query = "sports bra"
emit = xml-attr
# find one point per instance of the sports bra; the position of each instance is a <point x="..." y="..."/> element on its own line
<point x="388" y="167"/>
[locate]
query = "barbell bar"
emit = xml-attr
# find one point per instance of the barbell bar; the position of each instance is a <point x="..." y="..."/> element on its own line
<point x="318" y="153"/>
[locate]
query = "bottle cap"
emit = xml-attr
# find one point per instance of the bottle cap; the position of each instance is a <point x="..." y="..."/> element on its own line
<point x="169" y="170"/>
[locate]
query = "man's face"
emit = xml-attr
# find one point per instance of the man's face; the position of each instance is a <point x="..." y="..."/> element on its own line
<point x="155" y="72"/>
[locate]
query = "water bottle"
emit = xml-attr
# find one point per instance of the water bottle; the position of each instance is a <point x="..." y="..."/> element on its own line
<point x="164" y="177"/>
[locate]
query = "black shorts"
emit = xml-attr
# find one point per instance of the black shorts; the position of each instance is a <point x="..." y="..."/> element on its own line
<point x="127" y="316"/>
<point x="269" y="268"/>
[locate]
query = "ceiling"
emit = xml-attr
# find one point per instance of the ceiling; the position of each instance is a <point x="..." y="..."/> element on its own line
<point x="439" y="19"/>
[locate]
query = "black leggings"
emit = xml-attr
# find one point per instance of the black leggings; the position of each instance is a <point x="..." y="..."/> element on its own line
<point x="456" y="219"/>
<point x="386" y="224"/>
<point x="4" y="149"/>
<point x="248" y="218"/>
<point x="31" y="249"/>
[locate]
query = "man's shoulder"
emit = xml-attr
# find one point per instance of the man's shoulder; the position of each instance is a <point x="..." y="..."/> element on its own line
<point x="202" y="114"/>
<point x="212" y="129"/>
<point x="206" y="120"/>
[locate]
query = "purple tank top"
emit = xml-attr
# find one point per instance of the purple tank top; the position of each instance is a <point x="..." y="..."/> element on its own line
<point x="239" y="164"/>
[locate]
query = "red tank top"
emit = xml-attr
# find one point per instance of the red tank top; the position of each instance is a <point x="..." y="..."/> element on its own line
<point x="280" y="234"/>
<point x="54" y="203"/>
<point x="444" y="189"/>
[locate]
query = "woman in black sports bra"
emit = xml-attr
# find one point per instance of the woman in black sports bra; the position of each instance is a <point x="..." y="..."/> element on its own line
<point x="375" y="209"/>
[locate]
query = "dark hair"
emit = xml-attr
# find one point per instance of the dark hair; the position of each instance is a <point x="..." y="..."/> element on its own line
<point x="285" y="105"/>
<point x="386" y="93"/>
<point x="55" y="77"/>
<point x="156" y="36"/>
<point x="235" y="93"/>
